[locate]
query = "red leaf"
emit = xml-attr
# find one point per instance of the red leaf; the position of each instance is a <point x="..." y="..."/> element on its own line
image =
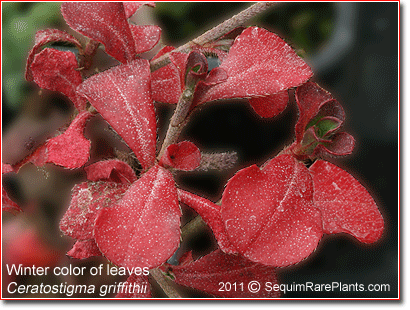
<point x="186" y="259"/>
<point x="6" y="168"/>
<point x="269" y="214"/>
<point x="208" y="272"/>
<point x="345" y="204"/>
<point x="311" y="99"/>
<point x="87" y="199"/>
<point x="37" y="158"/>
<point x="104" y="22"/>
<point x="341" y="144"/>
<point x="145" y="37"/>
<point x="71" y="149"/>
<point x="112" y="170"/>
<point x="142" y="229"/>
<point x="211" y="214"/>
<point x="216" y="76"/>
<point x="135" y="287"/>
<point x="259" y="63"/>
<point x="132" y="7"/>
<point x="122" y="95"/>
<point x="163" y="51"/>
<point x="7" y="204"/>
<point x="57" y="70"/>
<point x="270" y="106"/>
<point x="166" y="82"/>
<point x="44" y="37"/>
<point x="83" y="249"/>
<point x="182" y="156"/>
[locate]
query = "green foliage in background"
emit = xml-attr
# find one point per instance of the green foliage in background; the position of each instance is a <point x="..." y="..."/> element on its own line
<point x="20" y="21"/>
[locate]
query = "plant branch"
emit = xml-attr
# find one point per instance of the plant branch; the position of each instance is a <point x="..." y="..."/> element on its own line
<point x="192" y="227"/>
<point x="178" y="119"/>
<point x="164" y="283"/>
<point x="216" y="32"/>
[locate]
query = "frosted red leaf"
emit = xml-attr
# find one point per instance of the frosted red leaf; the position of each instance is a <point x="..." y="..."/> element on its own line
<point x="216" y="76"/>
<point x="314" y="103"/>
<point x="135" y="287"/>
<point x="87" y="199"/>
<point x="38" y="158"/>
<point x="184" y="71"/>
<point x="57" y="71"/>
<point x="211" y="214"/>
<point x="163" y="51"/>
<point x="7" y="204"/>
<point x="341" y="144"/>
<point x="83" y="249"/>
<point x="195" y="70"/>
<point x="6" y="168"/>
<point x="346" y="205"/>
<point x="186" y="258"/>
<point x="143" y="228"/>
<point x="185" y="64"/>
<point x="182" y="156"/>
<point x="165" y="82"/>
<point x="145" y="37"/>
<point x="44" y="37"/>
<point x="179" y="61"/>
<point x="207" y="273"/>
<point x="269" y="213"/>
<point x="71" y="149"/>
<point x="112" y="170"/>
<point x="104" y="22"/>
<point x="270" y="106"/>
<point x="259" y="63"/>
<point x="122" y="95"/>
<point x="132" y="7"/>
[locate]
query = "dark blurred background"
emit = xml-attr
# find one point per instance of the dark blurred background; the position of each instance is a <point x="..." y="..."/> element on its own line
<point x="353" y="51"/>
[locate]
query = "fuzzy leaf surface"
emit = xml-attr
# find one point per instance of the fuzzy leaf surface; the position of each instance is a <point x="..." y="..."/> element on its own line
<point x="145" y="37"/>
<point x="57" y="71"/>
<point x="259" y="63"/>
<point x="87" y="199"/>
<point x="346" y="205"/>
<point x="38" y="158"/>
<point x="341" y="144"/>
<point x="206" y="273"/>
<point x="182" y="156"/>
<point x="70" y="149"/>
<point x="314" y="103"/>
<point x="122" y="95"/>
<point x="83" y="249"/>
<point x="44" y="37"/>
<point x="104" y="22"/>
<point x="211" y="214"/>
<point x="112" y="170"/>
<point x="270" y="106"/>
<point x="166" y="82"/>
<point x="143" y="228"/>
<point x="132" y="7"/>
<point x="269" y="213"/>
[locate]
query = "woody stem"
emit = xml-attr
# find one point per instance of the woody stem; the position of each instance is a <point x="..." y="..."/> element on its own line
<point x="164" y="283"/>
<point x="216" y="32"/>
